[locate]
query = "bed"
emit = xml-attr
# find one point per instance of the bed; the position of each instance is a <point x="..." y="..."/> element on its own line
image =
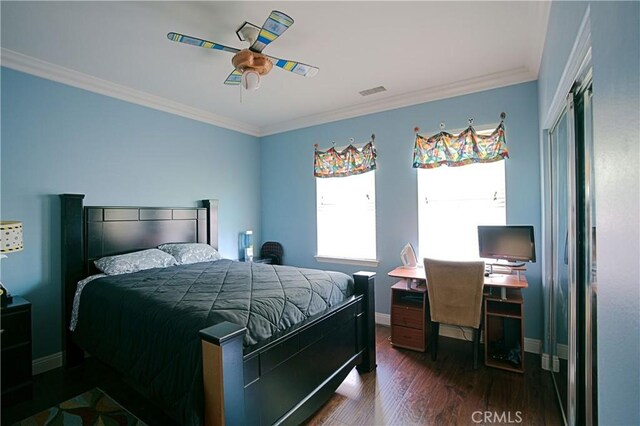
<point x="227" y="369"/>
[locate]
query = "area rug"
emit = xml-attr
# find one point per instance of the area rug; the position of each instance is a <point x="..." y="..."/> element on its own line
<point x="92" y="408"/>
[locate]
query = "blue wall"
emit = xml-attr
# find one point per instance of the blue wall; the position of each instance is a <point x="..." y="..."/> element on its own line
<point x="615" y="42"/>
<point x="564" y="19"/>
<point x="288" y="185"/>
<point x="58" y="139"/>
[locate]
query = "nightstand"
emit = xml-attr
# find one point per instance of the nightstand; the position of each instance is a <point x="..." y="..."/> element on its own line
<point x="15" y="342"/>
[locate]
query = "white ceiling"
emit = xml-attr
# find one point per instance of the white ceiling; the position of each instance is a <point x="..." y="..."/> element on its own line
<point x="417" y="50"/>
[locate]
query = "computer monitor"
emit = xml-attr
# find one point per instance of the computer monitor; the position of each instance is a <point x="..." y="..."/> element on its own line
<point x="513" y="243"/>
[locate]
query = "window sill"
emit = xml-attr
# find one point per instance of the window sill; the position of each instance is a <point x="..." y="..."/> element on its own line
<point x="347" y="261"/>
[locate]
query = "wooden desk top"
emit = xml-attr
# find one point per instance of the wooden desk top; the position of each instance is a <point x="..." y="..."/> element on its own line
<point x="495" y="280"/>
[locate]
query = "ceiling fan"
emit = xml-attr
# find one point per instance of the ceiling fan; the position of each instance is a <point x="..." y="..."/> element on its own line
<point x="251" y="63"/>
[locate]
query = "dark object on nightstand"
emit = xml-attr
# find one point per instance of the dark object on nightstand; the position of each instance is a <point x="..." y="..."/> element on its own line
<point x="272" y="250"/>
<point x="5" y="296"/>
<point x="16" y="351"/>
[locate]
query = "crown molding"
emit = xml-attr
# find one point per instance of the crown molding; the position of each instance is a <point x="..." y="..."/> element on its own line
<point x="541" y="13"/>
<point x="50" y="71"/>
<point x="462" y="87"/>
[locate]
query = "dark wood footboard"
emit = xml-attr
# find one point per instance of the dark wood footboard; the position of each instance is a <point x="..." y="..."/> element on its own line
<point x="289" y="377"/>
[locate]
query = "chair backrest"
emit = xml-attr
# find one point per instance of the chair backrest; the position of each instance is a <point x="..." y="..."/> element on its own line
<point x="273" y="250"/>
<point x="455" y="291"/>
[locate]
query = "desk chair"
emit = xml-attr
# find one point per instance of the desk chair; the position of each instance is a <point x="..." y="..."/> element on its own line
<point x="455" y="297"/>
<point x="272" y="250"/>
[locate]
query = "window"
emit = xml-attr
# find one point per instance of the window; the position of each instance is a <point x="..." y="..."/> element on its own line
<point x="346" y="217"/>
<point x="452" y="202"/>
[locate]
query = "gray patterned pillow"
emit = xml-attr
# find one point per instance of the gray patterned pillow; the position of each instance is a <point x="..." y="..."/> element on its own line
<point x="186" y="253"/>
<point x="134" y="262"/>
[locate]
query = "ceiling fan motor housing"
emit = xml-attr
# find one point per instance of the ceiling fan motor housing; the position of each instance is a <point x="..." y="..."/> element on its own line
<point x="248" y="60"/>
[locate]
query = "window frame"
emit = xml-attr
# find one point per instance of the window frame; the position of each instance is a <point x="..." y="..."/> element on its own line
<point x="484" y="130"/>
<point x="347" y="260"/>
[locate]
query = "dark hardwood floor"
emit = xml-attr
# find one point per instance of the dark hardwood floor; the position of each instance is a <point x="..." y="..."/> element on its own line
<point x="56" y="386"/>
<point x="406" y="388"/>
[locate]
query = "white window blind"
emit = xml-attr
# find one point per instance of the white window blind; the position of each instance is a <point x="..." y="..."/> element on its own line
<point x="452" y="202"/>
<point x="346" y="217"/>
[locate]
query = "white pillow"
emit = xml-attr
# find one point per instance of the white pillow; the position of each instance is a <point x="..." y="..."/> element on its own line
<point x="134" y="262"/>
<point x="186" y="253"/>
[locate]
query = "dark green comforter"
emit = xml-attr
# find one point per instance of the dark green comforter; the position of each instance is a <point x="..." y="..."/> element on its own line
<point x="146" y="324"/>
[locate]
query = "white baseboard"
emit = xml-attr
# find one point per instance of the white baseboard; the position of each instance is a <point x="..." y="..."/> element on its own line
<point x="533" y="346"/>
<point x="530" y="345"/>
<point x="546" y="362"/>
<point x="562" y="351"/>
<point x="551" y="362"/>
<point x="383" y="319"/>
<point x="46" y="363"/>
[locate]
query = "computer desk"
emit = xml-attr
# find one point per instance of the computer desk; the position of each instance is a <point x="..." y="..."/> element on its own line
<point x="410" y="317"/>
<point x="495" y="280"/>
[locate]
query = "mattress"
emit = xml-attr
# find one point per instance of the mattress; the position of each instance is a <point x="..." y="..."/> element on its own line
<point x="146" y="324"/>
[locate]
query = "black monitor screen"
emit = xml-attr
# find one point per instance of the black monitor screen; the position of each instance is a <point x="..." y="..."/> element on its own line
<point x="512" y="243"/>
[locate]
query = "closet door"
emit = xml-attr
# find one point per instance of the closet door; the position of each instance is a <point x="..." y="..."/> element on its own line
<point x="561" y="303"/>
<point x="586" y="285"/>
<point x="573" y="289"/>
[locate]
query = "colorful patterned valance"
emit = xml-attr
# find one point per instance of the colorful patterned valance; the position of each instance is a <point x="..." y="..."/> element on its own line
<point x="348" y="162"/>
<point x="458" y="150"/>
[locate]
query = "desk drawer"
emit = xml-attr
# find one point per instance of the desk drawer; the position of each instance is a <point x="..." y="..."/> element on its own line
<point x="407" y="337"/>
<point x="407" y="317"/>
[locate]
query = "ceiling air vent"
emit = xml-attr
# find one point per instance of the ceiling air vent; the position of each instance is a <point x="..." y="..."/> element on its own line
<point x="373" y="91"/>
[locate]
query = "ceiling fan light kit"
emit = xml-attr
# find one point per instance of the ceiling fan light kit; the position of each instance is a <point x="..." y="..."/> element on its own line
<point x="250" y="80"/>
<point x="249" y="64"/>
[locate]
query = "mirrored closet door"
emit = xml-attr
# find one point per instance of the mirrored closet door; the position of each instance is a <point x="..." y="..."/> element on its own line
<point x="571" y="231"/>
<point x="559" y="146"/>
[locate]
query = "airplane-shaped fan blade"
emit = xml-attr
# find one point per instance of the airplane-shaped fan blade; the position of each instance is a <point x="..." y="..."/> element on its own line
<point x="275" y="25"/>
<point x="234" y="78"/>
<point x="201" y="43"/>
<point x="295" y="67"/>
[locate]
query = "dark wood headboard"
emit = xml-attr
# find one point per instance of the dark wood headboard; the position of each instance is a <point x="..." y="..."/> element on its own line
<point x="89" y="233"/>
